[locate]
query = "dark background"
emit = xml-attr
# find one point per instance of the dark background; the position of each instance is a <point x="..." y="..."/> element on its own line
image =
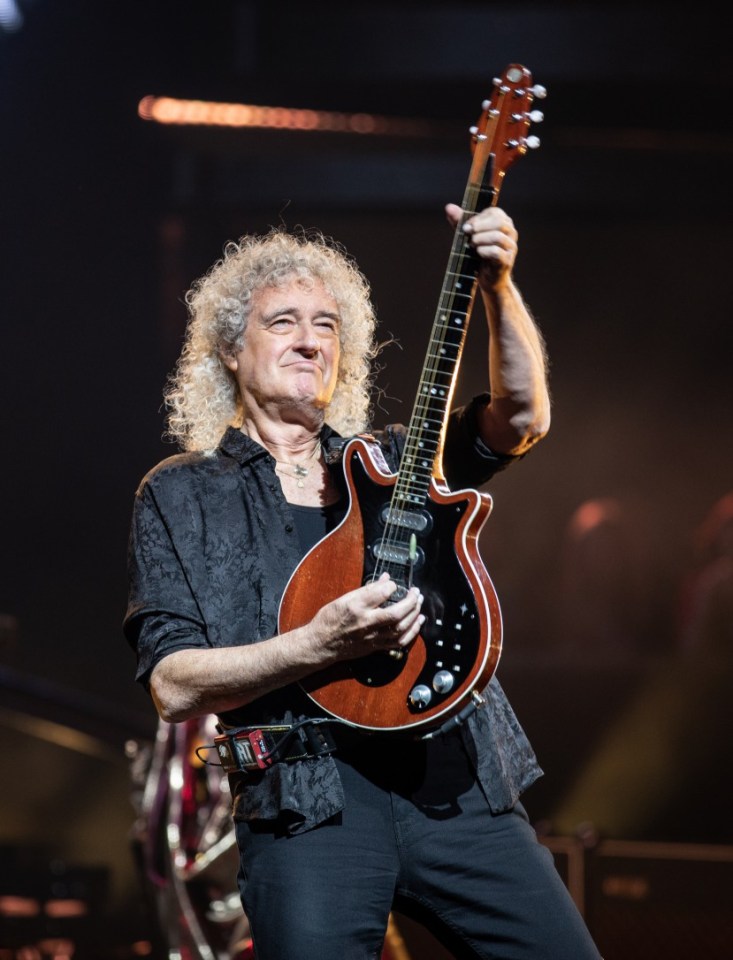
<point x="623" y="216"/>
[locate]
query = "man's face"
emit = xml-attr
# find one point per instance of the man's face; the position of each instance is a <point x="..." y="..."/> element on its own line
<point x="290" y="356"/>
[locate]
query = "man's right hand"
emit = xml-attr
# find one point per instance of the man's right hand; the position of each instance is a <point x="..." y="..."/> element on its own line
<point x="362" y="622"/>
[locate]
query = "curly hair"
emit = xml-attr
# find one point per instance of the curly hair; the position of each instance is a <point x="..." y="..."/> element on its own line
<point x="201" y="395"/>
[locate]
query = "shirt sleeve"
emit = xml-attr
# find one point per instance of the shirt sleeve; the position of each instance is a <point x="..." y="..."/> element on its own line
<point x="162" y="613"/>
<point x="467" y="460"/>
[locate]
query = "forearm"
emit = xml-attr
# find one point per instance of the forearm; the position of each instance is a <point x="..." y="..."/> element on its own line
<point x="519" y="413"/>
<point x="194" y="682"/>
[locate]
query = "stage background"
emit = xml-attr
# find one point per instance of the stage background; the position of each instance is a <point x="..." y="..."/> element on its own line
<point x="597" y="539"/>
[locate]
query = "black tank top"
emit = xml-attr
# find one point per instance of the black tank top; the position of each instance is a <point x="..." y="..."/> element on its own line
<point x="313" y="523"/>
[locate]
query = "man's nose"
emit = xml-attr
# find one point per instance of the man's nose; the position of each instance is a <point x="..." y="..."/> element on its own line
<point x="307" y="340"/>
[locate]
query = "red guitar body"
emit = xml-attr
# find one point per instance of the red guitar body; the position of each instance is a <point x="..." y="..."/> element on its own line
<point x="461" y="637"/>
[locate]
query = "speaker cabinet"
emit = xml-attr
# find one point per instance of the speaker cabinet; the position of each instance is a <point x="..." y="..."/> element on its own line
<point x="670" y="900"/>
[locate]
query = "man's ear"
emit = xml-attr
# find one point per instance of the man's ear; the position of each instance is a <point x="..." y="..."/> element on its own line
<point x="229" y="360"/>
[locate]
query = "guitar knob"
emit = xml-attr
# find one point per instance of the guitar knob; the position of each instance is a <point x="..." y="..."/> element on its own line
<point x="420" y="696"/>
<point x="532" y="142"/>
<point x="443" y="681"/>
<point x="538" y="91"/>
<point x="536" y="116"/>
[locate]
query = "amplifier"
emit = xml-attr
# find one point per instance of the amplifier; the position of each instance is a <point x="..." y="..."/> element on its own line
<point x="671" y="900"/>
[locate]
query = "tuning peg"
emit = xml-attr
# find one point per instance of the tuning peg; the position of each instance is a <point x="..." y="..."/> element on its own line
<point x="538" y="91"/>
<point x="535" y="116"/>
<point x="532" y="142"/>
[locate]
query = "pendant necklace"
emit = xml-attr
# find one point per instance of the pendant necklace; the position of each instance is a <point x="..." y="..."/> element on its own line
<point x="300" y="470"/>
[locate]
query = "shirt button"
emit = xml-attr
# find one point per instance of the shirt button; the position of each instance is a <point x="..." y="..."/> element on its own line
<point x="288" y="528"/>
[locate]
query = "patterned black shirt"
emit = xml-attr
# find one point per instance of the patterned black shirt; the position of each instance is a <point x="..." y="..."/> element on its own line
<point x="212" y="546"/>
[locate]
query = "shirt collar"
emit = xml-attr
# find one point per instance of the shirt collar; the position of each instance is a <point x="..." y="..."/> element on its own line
<point x="244" y="449"/>
<point x="240" y="447"/>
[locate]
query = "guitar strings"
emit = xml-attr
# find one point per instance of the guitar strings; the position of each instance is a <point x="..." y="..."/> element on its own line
<point x="394" y="532"/>
<point x="401" y="497"/>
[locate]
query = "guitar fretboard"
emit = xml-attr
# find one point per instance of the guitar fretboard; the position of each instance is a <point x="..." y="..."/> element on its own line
<point x="438" y="378"/>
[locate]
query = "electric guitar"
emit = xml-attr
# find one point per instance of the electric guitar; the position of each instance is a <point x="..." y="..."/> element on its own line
<point x="409" y="524"/>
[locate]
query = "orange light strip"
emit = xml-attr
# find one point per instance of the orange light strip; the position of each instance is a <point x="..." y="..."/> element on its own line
<point x="170" y="110"/>
<point x="18" y="906"/>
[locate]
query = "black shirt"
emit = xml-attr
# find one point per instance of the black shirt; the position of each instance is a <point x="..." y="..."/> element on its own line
<point x="212" y="546"/>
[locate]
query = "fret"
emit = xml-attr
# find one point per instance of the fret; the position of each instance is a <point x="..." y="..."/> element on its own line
<point x="459" y="274"/>
<point x="458" y="277"/>
<point x="425" y="429"/>
<point x="439" y="370"/>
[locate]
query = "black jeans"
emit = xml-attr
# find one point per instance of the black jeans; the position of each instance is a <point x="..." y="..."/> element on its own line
<point x="417" y="834"/>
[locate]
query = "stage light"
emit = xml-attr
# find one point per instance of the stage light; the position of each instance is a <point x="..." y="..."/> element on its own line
<point x="18" y="906"/>
<point x="11" y="18"/>
<point x="66" y="908"/>
<point x="170" y="110"/>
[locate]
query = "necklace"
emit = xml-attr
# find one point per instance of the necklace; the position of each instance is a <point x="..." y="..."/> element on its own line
<point x="299" y="470"/>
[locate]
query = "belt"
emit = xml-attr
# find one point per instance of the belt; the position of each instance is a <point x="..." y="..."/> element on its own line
<point x="246" y="749"/>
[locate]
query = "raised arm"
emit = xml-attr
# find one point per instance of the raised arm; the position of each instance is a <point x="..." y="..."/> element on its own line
<point x="519" y="413"/>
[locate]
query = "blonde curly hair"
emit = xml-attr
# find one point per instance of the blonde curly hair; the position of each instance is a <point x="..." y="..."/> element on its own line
<point x="201" y="395"/>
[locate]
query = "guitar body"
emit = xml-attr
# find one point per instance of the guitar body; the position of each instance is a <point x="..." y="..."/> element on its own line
<point x="459" y="645"/>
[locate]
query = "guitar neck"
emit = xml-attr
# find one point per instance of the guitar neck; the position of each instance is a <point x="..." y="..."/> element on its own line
<point x="498" y="140"/>
<point x="424" y="441"/>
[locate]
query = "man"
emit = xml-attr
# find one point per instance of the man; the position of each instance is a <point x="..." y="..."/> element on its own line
<point x="336" y="833"/>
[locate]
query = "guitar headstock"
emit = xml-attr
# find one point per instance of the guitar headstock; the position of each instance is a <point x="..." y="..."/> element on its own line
<point x="500" y="138"/>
